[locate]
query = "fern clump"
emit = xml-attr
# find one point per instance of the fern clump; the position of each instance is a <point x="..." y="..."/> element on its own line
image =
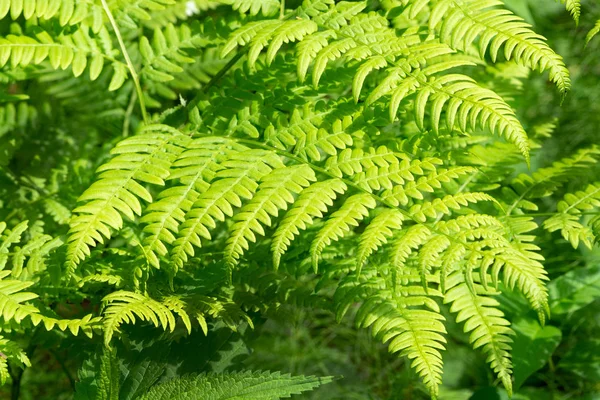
<point x="353" y="156"/>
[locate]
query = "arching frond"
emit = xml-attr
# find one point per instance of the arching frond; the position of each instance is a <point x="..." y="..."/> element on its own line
<point x="143" y="158"/>
<point x="377" y="233"/>
<point x="312" y="203"/>
<point x="567" y="220"/>
<point x="79" y="50"/>
<point x="122" y="307"/>
<point x="275" y="191"/>
<point x="461" y="22"/>
<point x="236" y="182"/>
<point x="485" y="322"/>
<point x="353" y="210"/>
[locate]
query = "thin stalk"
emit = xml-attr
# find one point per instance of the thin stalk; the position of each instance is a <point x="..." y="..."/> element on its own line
<point x="282" y="9"/>
<point x="128" y="112"/>
<point x="62" y="364"/>
<point x="194" y="102"/>
<point x="134" y="76"/>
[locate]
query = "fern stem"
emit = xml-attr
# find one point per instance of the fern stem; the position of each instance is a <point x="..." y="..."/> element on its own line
<point x="282" y="9"/>
<point x="68" y="373"/>
<point x="134" y="76"/>
<point x="194" y="102"/>
<point x="128" y="113"/>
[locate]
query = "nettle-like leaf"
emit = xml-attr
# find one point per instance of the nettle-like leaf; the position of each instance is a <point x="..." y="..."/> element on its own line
<point x="235" y="385"/>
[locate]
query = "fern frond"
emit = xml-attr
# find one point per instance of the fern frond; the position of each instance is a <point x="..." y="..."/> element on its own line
<point x="350" y="162"/>
<point x="547" y="180"/>
<point x="163" y="59"/>
<point x="354" y="209"/>
<point x="308" y="134"/>
<point x="567" y="220"/>
<point x="86" y="325"/>
<point x="433" y="209"/>
<point x="237" y="181"/>
<point x="8" y="238"/>
<point x="193" y="170"/>
<point x="467" y="104"/>
<point x="311" y="203"/>
<point x="377" y="233"/>
<point x="461" y="22"/>
<point x="123" y="307"/>
<point x="486" y="323"/>
<point x="593" y="32"/>
<point x="574" y="8"/>
<point x="399" y="194"/>
<point x="254" y="7"/>
<point x="408" y="240"/>
<point x="142" y="158"/>
<point x="67" y="12"/>
<point x="11" y="351"/>
<point x="401" y="314"/>
<point x="275" y="191"/>
<point x="78" y="50"/>
<point x="13" y="300"/>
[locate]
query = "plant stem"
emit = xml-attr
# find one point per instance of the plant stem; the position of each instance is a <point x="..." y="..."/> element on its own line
<point x="194" y="102"/>
<point x="134" y="76"/>
<point x="61" y="362"/>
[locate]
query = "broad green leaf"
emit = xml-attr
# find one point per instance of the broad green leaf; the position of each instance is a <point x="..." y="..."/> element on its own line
<point x="532" y="346"/>
<point x="234" y="386"/>
<point x="574" y="290"/>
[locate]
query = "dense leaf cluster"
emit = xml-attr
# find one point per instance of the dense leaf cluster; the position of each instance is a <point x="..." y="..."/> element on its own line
<point x="359" y="157"/>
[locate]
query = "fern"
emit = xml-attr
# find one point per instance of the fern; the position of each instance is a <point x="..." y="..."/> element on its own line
<point x="253" y="158"/>
<point x="78" y="50"/>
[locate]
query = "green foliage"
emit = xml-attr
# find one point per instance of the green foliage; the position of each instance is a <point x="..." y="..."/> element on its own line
<point x="405" y="186"/>
<point x="245" y="385"/>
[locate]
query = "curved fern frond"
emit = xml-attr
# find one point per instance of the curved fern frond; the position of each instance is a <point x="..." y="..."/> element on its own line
<point x="547" y="180"/>
<point x="354" y="209"/>
<point x="193" y="170"/>
<point x="79" y="50"/>
<point x="401" y="314"/>
<point x="486" y="323"/>
<point x="567" y="220"/>
<point x="11" y="352"/>
<point x="461" y="22"/>
<point x="275" y="191"/>
<point x="574" y="8"/>
<point x="377" y="233"/>
<point x="142" y="158"/>
<point x="311" y="203"/>
<point x="123" y="307"/>
<point x="237" y="181"/>
<point x="593" y="32"/>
